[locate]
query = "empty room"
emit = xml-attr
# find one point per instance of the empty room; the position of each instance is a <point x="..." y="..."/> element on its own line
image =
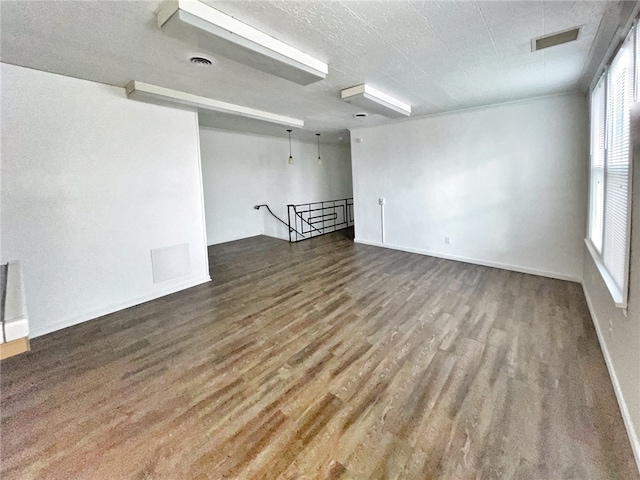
<point x="320" y="239"/>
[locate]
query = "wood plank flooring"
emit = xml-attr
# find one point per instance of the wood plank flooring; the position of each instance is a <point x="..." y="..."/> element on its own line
<point x="323" y="360"/>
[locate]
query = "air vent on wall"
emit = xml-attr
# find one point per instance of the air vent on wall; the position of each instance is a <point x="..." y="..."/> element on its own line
<point x="170" y="262"/>
<point x="555" y="39"/>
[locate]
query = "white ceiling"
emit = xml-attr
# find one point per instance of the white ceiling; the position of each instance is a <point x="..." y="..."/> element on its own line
<point x="435" y="56"/>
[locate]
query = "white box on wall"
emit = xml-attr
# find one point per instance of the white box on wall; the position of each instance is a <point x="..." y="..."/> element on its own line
<point x="170" y="262"/>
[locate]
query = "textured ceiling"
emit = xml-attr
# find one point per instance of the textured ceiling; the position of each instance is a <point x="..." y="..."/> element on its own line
<point x="435" y="56"/>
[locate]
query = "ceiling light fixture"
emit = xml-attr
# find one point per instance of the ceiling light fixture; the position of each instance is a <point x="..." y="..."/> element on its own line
<point x="221" y="33"/>
<point x="375" y="101"/>
<point x="290" y="156"/>
<point x="319" y="159"/>
<point x="145" y="92"/>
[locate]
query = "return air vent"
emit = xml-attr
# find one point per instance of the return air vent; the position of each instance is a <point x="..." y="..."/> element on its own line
<point x="555" y="39"/>
<point x="170" y="262"/>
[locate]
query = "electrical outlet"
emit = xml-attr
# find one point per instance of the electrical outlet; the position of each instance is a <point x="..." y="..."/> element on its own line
<point x="381" y="201"/>
<point x="447" y="240"/>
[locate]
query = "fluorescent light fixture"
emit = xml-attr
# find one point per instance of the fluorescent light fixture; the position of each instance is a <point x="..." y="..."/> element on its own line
<point x="145" y="92"/>
<point x="375" y="101"/>
<point x="238" y="41"/>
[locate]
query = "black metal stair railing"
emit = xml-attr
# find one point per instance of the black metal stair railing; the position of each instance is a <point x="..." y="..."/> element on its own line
<point x="308" y="220"/>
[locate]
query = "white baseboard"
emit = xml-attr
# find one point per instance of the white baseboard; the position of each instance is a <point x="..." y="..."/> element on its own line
<point x="276" y="236"/>
<point x="624" y="410"/>
<point x="245" y="237"/>
<point x="233" y="239"/>
<point x="475" y="261"/>
<point x="37" y="332"/>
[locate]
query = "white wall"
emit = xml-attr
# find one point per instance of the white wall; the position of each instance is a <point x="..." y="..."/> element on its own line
<point x="507" y="184"/>
<point x="91" y="182"/>
<point x="619" y="334"/>
<point x="243" y="170"/>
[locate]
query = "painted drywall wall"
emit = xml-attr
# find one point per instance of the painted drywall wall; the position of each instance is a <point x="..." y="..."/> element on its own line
<point x="619" y="334"/>
<point x="507" y="184"/>
<point x="243" y="170"/>
<point x="91" y="182"/>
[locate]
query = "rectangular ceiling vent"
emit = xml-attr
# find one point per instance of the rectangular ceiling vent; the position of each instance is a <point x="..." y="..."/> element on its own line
<point x="554" y="39"/>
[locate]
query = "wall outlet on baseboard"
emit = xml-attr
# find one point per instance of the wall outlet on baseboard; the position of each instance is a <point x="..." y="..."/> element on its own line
<point x="447" y="240"/>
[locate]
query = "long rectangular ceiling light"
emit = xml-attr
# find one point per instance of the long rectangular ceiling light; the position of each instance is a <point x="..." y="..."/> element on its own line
<point x="220" y="33"/>
<point x="165" y="96"/>
<point x="375" y="101"/>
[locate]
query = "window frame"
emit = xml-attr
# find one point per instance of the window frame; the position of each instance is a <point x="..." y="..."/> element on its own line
<point x="619" y="295"/>
<point x="592" y="201"/>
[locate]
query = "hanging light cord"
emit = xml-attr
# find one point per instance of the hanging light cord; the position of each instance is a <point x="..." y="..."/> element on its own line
<point x="290" y="157"/>
<point x="318" y="135"/>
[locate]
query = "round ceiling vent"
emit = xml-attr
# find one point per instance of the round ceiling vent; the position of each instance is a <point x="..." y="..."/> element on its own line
<point x="360" y="115"/>
<point x="200" y="61"/>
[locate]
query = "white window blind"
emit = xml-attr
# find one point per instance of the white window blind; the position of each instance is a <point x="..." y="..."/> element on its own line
<point x="637" y="97"/>
<point x="610" y="183"/>
<point x="596" y="210"/>
<point x="616" y="204"/>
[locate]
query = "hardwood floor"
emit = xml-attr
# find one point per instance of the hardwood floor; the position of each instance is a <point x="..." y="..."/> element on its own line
<point x="323" y="359"/>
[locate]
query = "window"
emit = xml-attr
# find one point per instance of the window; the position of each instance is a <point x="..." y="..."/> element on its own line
<point x="596" y="210"/>
<point x="610" y="189"/>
